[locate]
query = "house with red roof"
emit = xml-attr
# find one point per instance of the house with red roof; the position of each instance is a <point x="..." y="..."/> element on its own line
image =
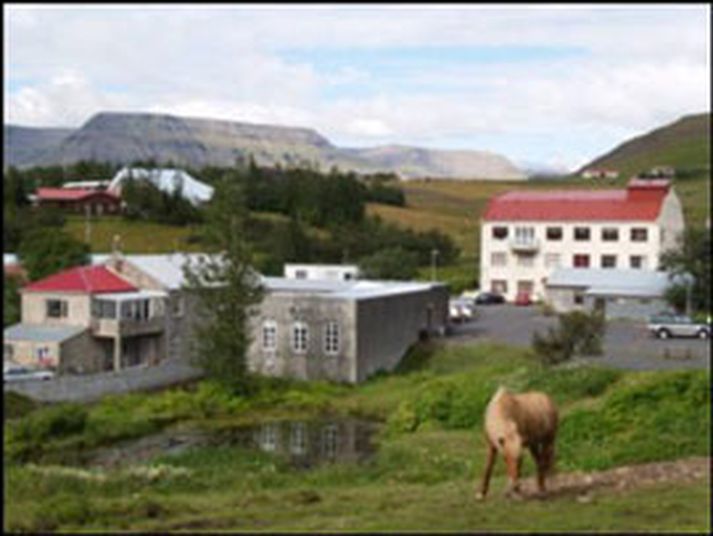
<point x="81" y="200"/>
<point x="87" y="319"/>
<point x="526" y="235"/>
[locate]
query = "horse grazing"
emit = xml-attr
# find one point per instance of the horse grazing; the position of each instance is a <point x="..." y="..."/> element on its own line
<point x="513" y="422"/>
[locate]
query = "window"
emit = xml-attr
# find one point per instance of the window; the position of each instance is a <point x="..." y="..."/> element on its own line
<point x="524" y="234"/>
<point x="526" y="261"/>
<point x="498" y="259"/>
<point x="610" y="234"/>
<point x="43" y="355"/>
<point x="581" y="261"/>
<point x="608" y="261"/>
<point x="500" y="232"/>
<point x="578" y="297"/>
<point x="299" y="337"/>
<point x="554" y="233"/>
<point x="637" y="261"/>
<point x="298" y="441"/>
<point x="499" y="286"/>
<point x="331" y="338"/>
<point x="269" y="335"/>
<point x="552" y="260"/>
<point x="581" y="233"/>
<point x="329" y="441"/>
<point x="639" y="234"/>
<point x="301" y="274"/>
<point x="103" y="309"/>
<point x="56" y="308"/>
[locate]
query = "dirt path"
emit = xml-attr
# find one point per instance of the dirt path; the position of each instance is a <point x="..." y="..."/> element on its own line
<point x="585" y="485"/>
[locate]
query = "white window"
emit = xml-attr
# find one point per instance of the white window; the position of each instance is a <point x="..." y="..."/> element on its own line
<point x="498" y="259"/>
<point x="298" y="439"/>
<point x="56" y="308"/>
<point x="331" y="338"/>
<point x="526" y="261"/>
<point x="299" y="337"/>
<point x="301" y="274"/>
<point x="553" y="260"/>
<point x="329" y="441"/>
<point x="637" y="261"/>
<point x="524" y="234"/>
<point x="269" y="335"/>
<point x="269" y="437"/>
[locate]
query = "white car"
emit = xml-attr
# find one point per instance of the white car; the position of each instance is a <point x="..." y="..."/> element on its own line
<point x="16" y="373"/>
<point x="460" y="310"/>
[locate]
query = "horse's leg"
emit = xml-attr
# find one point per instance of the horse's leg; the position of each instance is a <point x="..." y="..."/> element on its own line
<point x="544" y="463"/>
<point x="492" y="452"/>
<point x="514" y="463"/>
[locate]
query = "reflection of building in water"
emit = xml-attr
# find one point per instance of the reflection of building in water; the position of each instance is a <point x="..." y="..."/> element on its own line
<point x="298" y="440"/>
<point x="310" y="443"/>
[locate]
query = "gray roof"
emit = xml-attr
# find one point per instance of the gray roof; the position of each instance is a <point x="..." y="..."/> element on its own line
<point x="611" y="281"/>
<point x="354" y="290"/>
<point x="41" y="333"/>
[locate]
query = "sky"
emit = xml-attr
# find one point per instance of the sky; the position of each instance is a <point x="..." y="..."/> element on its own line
<point x="545" y="85"/>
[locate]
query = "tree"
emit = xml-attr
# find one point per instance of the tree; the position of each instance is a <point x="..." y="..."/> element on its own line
<point x="226" y="288"/>
<point x="692" y="255"/>
<point x="43" y="253"/>
<point x="393" y="263"/>
<point x="578" y="333"/>
<point x="11" y="301"/>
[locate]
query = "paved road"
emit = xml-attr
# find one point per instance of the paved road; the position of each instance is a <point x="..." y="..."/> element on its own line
<point x="627" y="344"/>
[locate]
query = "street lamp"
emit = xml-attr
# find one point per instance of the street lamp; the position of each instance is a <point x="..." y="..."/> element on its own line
<point x="434" y="256"/>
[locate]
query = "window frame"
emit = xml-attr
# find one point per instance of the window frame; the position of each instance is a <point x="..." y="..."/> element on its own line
<point x="269" y="326"/>
<point x="633" y="234"/>
<point x="610" y="234"/>
<point x="608" y="257"/>
<point x="63" y="311"/>
<point x="577" y="231"/>
<point x="333" y="337"/>
<point x="556" y="238"/>
<point x="495" y="231"/>
<point x="302" y="338"/>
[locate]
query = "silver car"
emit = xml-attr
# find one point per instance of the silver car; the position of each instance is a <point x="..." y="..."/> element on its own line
<point x="667" y="326"/>
<point x="16" y="373"/>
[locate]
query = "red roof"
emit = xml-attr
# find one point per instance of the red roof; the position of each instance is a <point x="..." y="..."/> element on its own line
<point x="69" y="194"/>
<point x="640" y="201"/>
<point x="88" y="279"/>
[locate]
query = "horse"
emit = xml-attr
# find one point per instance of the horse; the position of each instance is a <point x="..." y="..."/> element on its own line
<point x="514" y="422"/>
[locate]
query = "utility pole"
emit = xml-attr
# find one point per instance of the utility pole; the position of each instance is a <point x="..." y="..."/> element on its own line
<point x="87" y="225"/>
<point x="434" y="256"/>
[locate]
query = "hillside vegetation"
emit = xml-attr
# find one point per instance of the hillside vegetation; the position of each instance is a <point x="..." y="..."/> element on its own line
<point x="430" y="451"/>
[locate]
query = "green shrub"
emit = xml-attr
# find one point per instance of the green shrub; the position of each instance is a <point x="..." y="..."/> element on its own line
<point x="573" y="383"/>
<point x="578" y="333"/>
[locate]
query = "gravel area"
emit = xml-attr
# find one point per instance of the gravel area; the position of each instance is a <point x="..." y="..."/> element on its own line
<point x="627" y="344"/>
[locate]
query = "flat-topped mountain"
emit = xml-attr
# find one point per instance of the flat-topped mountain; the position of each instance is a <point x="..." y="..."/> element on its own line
<point x="123" y="138"/>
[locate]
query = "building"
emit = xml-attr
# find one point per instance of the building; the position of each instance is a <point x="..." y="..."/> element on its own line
<point x="333" y="272"/>
<point x="602" y="173"/>
<point x="660" y="172"/>
<point x="86" y="185"/>
<point x="619" y="293"/>
<point x="12" y="266"/>
<point x="80" y="200"/>
<point x="165" y="179"/>
<point x="134" y="310"/>
<point x="525" y="236"/>
<point x="342" y="330"/>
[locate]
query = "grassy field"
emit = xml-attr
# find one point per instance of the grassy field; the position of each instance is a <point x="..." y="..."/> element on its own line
<point x="430" y="451"/>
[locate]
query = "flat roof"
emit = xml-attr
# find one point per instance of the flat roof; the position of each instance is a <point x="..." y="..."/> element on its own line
<point x="611" y="281"/>
<point x="41" y="333"/>
<point x="126" y="296"/>
<point x="354" y="290"/>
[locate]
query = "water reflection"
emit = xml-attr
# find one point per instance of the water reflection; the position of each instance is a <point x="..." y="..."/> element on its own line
<point x="307" y="443"/>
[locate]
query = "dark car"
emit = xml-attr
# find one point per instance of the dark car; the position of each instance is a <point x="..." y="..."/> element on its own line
<point x="489" y="298"/>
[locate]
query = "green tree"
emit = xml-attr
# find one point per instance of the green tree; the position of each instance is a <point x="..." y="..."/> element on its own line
<point x="11" y="301"/>
<point x="692" y="255"/>
<point x="578" y="333"/>
<point x="43" y="253"/>
<point x="226" y="288"/>
<point x="393" y="263"/>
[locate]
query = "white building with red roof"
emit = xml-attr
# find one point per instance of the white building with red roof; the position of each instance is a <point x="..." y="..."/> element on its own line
<point x="526" y="235"/>
<point x="78" y="200"/>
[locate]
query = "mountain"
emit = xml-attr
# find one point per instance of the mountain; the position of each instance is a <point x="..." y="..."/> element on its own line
<point x="123" y="138"/>
<point x="24" y="145"/>
<point x="683" y="144"/>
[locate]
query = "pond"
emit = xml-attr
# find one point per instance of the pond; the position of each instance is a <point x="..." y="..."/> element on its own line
<point x="305" y="444"/>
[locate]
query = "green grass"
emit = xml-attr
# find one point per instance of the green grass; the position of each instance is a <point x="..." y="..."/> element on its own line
<point x="430" y="452"/>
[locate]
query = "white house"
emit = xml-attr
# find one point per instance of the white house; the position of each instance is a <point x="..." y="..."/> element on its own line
<point x="167" y="180"/>
<point x="527" y="235"/>
<point x="333" y="272"/>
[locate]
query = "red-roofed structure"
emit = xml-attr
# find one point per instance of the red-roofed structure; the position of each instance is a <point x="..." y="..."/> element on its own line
<point x="82" y="279"/>
<point x="640" y="201"/>
<point x="78" y="200"/>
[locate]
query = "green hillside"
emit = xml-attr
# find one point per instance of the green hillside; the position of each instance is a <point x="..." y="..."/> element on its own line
<point x="684" y="144"/>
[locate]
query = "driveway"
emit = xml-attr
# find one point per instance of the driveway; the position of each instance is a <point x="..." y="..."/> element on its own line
<point x="627" y="344"/>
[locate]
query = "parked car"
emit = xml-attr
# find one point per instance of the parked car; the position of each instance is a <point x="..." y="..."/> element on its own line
<point x="489" y="298"/>
<point x="460" y="310"/>
<point x="669" y="325"/>
<point x="523" y="298"/>
<point x="15" y="373"/>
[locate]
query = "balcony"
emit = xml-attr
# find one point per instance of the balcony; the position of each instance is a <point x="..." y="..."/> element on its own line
<point x="127" y="327"/>
<point x="524" y="245"/>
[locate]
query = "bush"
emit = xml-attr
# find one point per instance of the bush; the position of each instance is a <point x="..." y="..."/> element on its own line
<point x="578" y="333"/>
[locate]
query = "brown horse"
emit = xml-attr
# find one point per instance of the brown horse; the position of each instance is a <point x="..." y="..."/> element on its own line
<point x="514" y="422"/>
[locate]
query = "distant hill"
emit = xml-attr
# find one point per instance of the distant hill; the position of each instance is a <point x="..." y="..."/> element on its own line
<point x="683" y="144"/>
<point x="24" y="145"/>
<point x="123" y="138"/>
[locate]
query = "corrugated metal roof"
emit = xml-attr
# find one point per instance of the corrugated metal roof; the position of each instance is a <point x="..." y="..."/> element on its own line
<point x="167" y="269"/>
<point x="41" y="333"/>
<point x="70" y="194"/>
<point x="167" y="180"/>
<point x="611" y="281"/>
<point x="345" y="289"/>
<point x="641" y="201"/>
<point x="90" y="279"/>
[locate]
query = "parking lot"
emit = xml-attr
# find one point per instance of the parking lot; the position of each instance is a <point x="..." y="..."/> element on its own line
<point x="627" y="344"/>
